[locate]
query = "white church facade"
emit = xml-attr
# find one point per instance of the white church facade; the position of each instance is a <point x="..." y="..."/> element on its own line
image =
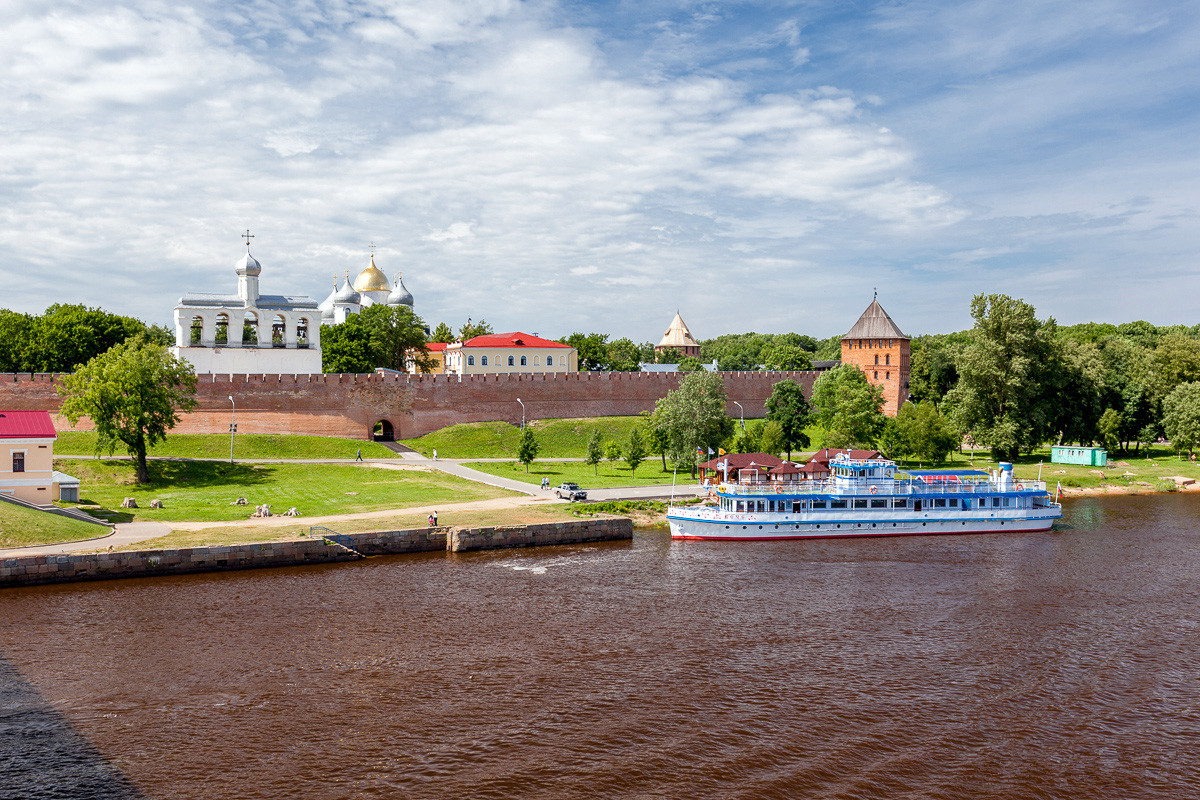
<point x="248" y="332"/>
<point x="370" y="288"/>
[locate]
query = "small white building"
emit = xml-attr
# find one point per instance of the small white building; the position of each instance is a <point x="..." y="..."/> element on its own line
<point x="248" y="333"/>
<point x="508" y="353"/>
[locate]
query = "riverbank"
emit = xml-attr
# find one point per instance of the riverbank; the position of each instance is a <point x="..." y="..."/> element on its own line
<point x="321" y="547"/>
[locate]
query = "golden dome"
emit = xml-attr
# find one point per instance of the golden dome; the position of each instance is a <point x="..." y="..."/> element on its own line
<point x="372" y="279"/>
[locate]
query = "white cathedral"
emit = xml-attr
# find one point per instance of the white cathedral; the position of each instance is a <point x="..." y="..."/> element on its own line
<point x="271" y="334"/>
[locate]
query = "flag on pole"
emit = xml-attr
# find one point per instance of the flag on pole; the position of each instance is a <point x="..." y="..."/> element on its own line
<point x="710" y="452"/>
<point x="720" y="451"/>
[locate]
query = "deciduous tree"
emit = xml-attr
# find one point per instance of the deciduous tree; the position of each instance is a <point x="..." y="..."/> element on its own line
<point x="133" y="394"/>
<point x="1181" y="416"/>
<point x="848" y="407"/>
<point x="635" y="450"/>
<point x="693" y="417"/>
<point x="595" y="451"/>
<point x="788" y="406"/>
<point x="527" y="447"/>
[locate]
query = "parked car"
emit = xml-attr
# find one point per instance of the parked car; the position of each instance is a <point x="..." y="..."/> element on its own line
<point x="570" y="491"/>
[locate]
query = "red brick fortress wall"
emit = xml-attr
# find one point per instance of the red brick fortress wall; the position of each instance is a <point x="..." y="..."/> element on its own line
<point x="350" y="405"/>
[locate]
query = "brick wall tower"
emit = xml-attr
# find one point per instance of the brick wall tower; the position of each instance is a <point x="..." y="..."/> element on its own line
<point x="881" y="350"/>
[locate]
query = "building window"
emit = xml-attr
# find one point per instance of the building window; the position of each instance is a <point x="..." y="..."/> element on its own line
<point x="887" y="376"/>
<point x="18" y="462"/>
<point x="562" y="360"/>
<point x="471" y="361"/>
<point x="887" y="359"/>
<point x="524" y="361"/>
<point x="877" y="359"/>
<point x="483" y="361"/>
<point x="535" y="361"/>
<point x="512" y="362"/>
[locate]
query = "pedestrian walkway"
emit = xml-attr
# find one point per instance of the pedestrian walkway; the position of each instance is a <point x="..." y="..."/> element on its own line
<point x="126" y="533"/>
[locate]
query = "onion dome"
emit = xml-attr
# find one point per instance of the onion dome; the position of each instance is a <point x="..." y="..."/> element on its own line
<point x="400" y="295"/>
<point x="372" y="279"/>
<point x="248" y="265"/>
<point x="347" y="294"/>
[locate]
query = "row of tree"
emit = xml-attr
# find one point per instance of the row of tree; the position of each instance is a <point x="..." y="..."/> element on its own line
<point x="66" y="336"/>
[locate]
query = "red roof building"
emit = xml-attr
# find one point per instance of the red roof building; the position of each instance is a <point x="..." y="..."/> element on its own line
<point x="27" y="456"/>
<point x="515" y="352"/>
<point x="744" y="467"/>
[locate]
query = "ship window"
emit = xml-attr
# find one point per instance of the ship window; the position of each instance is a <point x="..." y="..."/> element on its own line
<point x="1007" y="502"/>
<point x="899" y="504"/>
<point x="797" y="506"/>
<point x="878" y="503"/>
<point x="860" y="503"/>
<point x="770" y="505"/>
<point x="837" y="503"/>
<point x="820" y="504"/>
<point x="954" y="502"/>
<point x="995" y="502"/>
<point x="762" y="505"/>
<point x="939" y="502"/>
<point x="741" y="506"/>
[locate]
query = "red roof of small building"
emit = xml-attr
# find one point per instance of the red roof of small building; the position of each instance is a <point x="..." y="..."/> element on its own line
<point x="436" y="347"/>
<point x="830" y="453"/>
<point x="26" y="425"/>
<point x="744" y="460"/>
<point x="513" y="339"/>
<point x="815" y="467"/>
<point x="786" y="468"/>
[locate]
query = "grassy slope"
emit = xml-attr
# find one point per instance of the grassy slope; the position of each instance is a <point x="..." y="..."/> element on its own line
<point x="649" y="473"/>
<point x="557" y="438"/>
<point x="23" y="526"/>
<point x="250" y="445"/>
<point x="205" y="490"/>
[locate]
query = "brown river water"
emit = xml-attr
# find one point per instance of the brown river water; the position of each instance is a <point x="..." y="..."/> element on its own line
<point x="1058" y="665"/>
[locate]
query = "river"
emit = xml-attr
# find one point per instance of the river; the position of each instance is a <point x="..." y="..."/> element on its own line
<point x="1057" y="665"/>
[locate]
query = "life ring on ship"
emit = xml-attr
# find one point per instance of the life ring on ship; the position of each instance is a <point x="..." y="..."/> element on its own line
<point x="874" y="489"/>
<point x="778" y="490"/>
<point x="1020" y="487"/>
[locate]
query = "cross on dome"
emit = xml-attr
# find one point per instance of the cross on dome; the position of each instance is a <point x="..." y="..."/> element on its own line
<point x="247" y="236"/>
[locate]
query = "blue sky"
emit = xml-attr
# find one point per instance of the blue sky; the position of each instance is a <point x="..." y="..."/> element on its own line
<point x="554" y="167"/>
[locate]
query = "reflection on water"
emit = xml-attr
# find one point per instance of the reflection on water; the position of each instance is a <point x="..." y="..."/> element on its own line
<point x="1052" y="665"/>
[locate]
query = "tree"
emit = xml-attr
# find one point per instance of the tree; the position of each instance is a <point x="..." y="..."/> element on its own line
<point x="933" y="371"/>
<point x="392" y="337"/>
<point x="770" y="438"/>
<point x="527" y="447"/>
<point x="442" y="333"/>
<point x="788" y="406"/>
<point x="133" y="394"/>
<point x="746" y="439"/>
<point x="470" y="331"/>
<point x="397" y="337"/>
<point x="656" y="436"/>
<point x="924" y="434"/>
<point x="848" y="407"/>
<point x="623" y="356"/>
<point x="591" y="349"/>
<point x="693" y="417"/>
<point x="690" y="364"/>
<point x="786" y="357"/>
<point x="612" y="451"/>
<point x="1110" y="429"/>
<point x="1004" y="396"/>
<point x="1181" y="416"/>
<point x="595" y="451"/>
<point x="635" y="450"/>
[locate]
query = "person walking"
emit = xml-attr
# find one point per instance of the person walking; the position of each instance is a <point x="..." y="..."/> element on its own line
<point x="358" y="455"/>
<point x="435" y="454"/>
<point x="435" y="518"/>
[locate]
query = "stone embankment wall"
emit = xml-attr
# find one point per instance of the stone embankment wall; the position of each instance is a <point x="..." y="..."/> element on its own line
<point x="34" y="570"/>
<point x="350" y="405"/>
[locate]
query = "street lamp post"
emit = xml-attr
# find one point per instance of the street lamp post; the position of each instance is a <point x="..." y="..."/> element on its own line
<point x="232" y="426"/>
<point x="522" y="414"/>
<point x="739" y="405"/>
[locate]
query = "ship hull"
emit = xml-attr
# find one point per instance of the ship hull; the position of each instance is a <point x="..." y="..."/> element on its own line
<point x="734" y="530"/>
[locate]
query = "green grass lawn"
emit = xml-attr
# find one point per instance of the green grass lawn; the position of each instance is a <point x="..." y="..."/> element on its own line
<point x="610" y="474"/>
<point x="21" y="526"/>
<point x="205" y="490"/>
<point x="557" y="438"/>
<point x="249" y="445"/>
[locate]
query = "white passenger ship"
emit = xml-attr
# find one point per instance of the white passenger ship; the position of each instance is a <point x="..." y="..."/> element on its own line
<point x="869" y="498"/>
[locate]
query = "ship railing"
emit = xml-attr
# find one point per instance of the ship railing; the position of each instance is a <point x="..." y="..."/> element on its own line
<point x="908" y="486"/>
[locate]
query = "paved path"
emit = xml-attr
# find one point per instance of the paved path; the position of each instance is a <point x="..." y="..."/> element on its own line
<point x="126" y="533"/>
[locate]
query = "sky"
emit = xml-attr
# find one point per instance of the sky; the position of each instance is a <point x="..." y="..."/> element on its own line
<point x="554" y="167"/>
